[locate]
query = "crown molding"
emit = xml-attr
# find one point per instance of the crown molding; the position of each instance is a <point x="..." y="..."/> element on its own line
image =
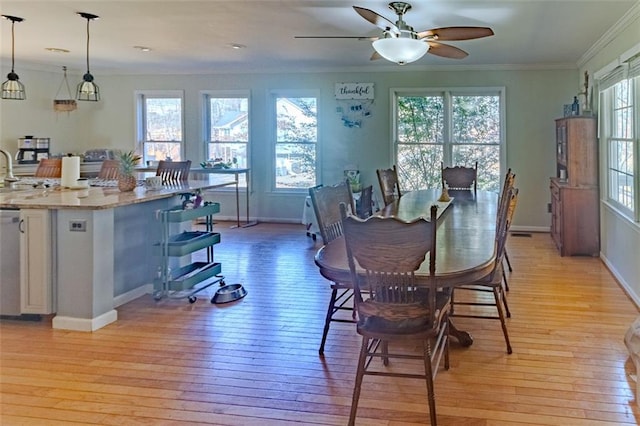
<point x="632" y="15"/>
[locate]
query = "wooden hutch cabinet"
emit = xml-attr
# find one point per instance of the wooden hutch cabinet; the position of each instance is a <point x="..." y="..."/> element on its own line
<point x="575" y="222"/>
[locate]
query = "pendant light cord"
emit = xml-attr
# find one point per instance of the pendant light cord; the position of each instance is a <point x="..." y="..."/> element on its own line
<point x="13" y="45"/>
<point x="88" y="72"/>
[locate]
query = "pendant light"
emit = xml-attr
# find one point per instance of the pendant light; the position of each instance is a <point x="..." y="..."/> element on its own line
<point x="12" y="88"/>
<point x="87" y="89"/>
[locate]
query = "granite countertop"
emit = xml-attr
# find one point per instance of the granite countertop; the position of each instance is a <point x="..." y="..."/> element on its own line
<point x="95" y="198"/>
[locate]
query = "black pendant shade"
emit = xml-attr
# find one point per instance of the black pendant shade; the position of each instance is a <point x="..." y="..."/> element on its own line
<point x="88" y="90"/>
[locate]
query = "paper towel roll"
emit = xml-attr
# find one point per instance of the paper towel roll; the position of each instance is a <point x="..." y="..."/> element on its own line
<point x="70" y="171"/>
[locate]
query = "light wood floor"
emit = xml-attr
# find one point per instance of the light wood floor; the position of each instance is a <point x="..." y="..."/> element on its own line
<point x="255" y="362"/>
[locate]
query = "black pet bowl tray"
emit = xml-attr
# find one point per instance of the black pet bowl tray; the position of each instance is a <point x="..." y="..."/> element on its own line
<point x="229" y="293"/>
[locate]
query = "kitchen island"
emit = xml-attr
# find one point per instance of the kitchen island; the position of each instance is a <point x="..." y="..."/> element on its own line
<point x="86" y="251"/>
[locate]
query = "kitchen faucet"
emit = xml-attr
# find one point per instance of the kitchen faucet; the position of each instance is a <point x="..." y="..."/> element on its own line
<point x="9" y="177"/>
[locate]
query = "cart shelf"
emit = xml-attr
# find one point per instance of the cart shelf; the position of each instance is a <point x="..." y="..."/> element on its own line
<point x="195" y="276"/>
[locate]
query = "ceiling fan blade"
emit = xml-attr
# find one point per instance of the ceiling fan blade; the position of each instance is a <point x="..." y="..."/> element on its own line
<point x="456" y="33"/>
<point x="341" y="37"/>
<point x="446" y="51"/>
<point x="375" y="56"/>
<point x="377" y="20"/>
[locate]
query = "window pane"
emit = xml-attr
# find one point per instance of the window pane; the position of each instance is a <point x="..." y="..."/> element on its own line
<point x="415" y="166"/>
<point x="488" y="158"/>
<point x="163" y="119"/>
<point x="621" y="173"/>
<point x="162" y="151"/>
<point x="228" y="132"/>
<point x="424" y="141"/>
<point x="295" y="165"/>
<point x="229" y="119"/>
<point x="476" y="119"/>
<point x="420" y="119"/>
<point x="297" y="120"/>
<point x="296" y="137"/>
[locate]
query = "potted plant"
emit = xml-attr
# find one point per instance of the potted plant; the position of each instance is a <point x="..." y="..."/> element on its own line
<point x="127" y="179"/>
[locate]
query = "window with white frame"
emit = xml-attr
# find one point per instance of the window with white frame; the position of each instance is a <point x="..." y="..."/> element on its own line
<point x="296" y="137"/>
<point x="450" y="127"/>
<point x="619" y="123"/>
<point x="160" y="124"/>
<point x="227" y="124"/>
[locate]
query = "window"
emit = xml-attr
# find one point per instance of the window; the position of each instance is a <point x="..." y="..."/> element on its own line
<point x="227" y="124"/>
<point x="160" y="125"/>
<point x="452" y="127"/>
<point x="619" y="120"/>
<point x="620" y="115"/>
<point x="296" y="137"/>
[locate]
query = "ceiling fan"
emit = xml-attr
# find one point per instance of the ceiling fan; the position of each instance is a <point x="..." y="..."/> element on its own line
<point x="400" y="43"/>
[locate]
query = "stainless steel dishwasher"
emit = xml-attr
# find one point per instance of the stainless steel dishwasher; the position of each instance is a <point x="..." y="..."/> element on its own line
<point x="9" y="262"/>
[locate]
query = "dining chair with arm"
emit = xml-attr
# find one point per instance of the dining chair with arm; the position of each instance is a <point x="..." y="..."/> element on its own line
<point x="49" y="168"/>
<point x="492" y="283"/>
<point x="364" y="206"/>
<point x="383" y="256"/>
<point x="509" y="182"/>
<point x="389" y="184"/>
<point x="109" y="170"/>
<point x="173" y="172"/>
<point x="326" y="202"/>
<point x="460" y="177"/>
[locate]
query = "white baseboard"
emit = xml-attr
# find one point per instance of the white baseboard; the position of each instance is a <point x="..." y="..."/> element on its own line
<point x="132" y="295"/>
<point x="84" y="324"/>
<point x="625" y="285"/>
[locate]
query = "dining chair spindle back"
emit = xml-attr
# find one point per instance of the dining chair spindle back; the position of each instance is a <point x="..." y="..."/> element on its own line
<point x="460" y="177"/>
<point x="493" y="282"/>
<point x="173" y="172"/>
<point x="389" y="184"/>
<point x="326" y="202"/>
<point x="49" y="168"/>
<point x="383" y="255"/>
<point x="109" y="170"/>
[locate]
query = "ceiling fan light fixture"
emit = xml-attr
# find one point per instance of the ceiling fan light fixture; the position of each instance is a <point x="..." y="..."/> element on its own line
<point x="88" y="90"/>
<point x="12" y="88"/>
<point x="401" y="50"/>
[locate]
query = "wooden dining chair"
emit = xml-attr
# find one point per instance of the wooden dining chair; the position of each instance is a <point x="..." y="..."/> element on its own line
<point x="493" y="282"/>
<point x="326" y="202"/>
<point x="49" y="168"/>
<point x="509" y="182"/>
<point x="460" y="177"/>
<point x="383" y="255"/>
<point x="109" y="170"/>
<point x="364" y="205"/>
<point x="173" y="171"/>
<point x="389" y="184"/>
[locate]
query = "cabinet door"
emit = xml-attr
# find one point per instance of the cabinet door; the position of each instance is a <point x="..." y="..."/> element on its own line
<point x="36" y="277"/>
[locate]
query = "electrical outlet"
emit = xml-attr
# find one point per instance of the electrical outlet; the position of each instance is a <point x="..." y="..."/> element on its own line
<point x="78" y="225"/>
<point x="549" y="208"/>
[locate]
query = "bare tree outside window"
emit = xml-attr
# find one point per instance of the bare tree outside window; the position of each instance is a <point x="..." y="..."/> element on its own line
<point x="424" y="140"/>
<point x="161" y="130"/>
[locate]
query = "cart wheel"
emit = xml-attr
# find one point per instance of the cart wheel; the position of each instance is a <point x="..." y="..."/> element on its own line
<point x="222" y="283"/>
<point x="157" y="296"/>
<point x="192" y="299"/>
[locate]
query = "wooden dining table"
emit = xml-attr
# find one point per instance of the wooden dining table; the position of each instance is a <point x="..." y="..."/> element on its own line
<point x="465" y="240"/>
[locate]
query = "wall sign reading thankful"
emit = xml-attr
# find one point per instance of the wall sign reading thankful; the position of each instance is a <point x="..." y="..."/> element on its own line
<point x="354" y="102"/>
<point x="354" y="90"/>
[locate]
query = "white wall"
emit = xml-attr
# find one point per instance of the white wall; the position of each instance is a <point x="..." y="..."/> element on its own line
<point x="620" y="237"/>
<point x="534" y="98"/>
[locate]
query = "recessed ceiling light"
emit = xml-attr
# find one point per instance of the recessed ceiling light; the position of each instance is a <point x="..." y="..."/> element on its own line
<point x="56" y="50"/>
<point x="237" y="46"/>
<point x="143" y="48"/>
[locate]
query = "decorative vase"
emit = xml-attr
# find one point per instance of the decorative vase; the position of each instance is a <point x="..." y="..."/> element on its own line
<point x="126" y="183"/>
